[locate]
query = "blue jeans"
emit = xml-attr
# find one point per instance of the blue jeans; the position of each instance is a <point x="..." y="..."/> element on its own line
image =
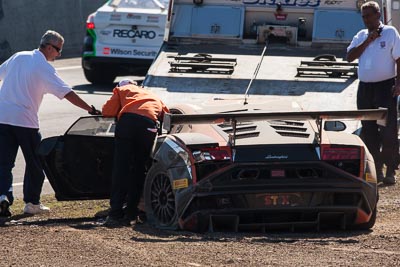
<point x="11" y="138"/>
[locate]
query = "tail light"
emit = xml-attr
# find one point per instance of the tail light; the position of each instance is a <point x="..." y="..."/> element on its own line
<point x="211" y="154"/>
<point x="347" y="158"/>
<point x="90" y="22"/>
<point x="340" y="153"/>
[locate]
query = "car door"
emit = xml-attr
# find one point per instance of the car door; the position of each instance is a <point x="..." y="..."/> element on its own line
<point x="78" y="164"/>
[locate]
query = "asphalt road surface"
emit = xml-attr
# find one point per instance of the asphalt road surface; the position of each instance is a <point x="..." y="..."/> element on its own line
<point x="312" y="93"/>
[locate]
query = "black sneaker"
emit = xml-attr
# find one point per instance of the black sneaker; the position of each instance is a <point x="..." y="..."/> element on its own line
<point x="390" y="178"/>
<point x="4" y="207"/>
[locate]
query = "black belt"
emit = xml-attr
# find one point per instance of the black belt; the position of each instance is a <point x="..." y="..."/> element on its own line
<point x="134" y="115"/>
<point x="378" y="83"/>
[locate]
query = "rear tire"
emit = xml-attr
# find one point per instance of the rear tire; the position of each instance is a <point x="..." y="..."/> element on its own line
<point x="99" y="76"/>
<point x="159" y="199"/>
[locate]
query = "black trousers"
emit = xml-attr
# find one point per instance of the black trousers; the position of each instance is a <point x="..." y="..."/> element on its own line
<point x="134" y="140"/>
<point x="381" y="141"/>
<point x="28" y="139"/>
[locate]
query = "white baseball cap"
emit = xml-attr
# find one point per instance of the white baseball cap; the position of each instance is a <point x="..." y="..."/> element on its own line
<point x="125" y="82"/>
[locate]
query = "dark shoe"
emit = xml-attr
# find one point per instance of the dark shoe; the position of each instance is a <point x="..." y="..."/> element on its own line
<point x="389" y="180"/>
<point x="4" y="207"/>
<point x="115" y="222"/>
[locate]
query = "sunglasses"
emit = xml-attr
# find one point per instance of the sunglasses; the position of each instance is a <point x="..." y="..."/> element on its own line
<point x="59" y="50"/>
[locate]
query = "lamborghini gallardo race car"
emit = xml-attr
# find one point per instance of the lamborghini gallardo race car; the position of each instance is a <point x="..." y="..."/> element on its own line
<point x="232" y="167"/>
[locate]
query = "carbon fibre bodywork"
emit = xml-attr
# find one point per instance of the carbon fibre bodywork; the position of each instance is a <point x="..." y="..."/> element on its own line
<point x="258" y="173"/>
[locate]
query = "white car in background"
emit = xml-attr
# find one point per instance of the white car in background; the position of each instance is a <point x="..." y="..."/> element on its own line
<point x="122" y="38"/>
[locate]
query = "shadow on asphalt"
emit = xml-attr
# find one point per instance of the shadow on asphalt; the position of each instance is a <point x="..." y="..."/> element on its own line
<point x="259" y="87"/>
<point x="99" y="88"/>
<point x="86" y="222"/>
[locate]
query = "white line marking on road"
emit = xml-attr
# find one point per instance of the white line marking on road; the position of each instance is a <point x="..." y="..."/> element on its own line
<point x="68" y="68"/>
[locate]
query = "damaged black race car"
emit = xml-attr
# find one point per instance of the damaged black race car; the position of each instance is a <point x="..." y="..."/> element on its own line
<point x="232" y="167"/>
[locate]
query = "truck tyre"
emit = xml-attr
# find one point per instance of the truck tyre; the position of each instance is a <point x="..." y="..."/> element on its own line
<point x="99" y="76"/>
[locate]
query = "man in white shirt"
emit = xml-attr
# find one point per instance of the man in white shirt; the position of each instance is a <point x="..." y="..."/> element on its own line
<point x="26" y="77"/>
<point x="377" y="49"/>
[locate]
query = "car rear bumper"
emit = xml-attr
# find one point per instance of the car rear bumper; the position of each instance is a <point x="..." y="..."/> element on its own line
<point x="112" y="62"/>
<point x="272" y="219"/>
<point x="337" y="199"/>
<point x="271" y="209"/>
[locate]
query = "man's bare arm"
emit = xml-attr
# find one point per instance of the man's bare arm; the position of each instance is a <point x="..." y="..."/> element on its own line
<point x="77" y="101"/>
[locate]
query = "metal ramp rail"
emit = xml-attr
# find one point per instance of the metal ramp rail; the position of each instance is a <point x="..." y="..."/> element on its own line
<point x="202" y="63"/>
<point x="327" y="65"/>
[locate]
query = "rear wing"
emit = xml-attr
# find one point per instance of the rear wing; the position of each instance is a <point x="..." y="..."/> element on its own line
<point x="233" y="118"/>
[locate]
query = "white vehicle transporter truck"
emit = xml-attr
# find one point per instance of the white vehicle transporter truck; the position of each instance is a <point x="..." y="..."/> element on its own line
<point x="210" y="43"/>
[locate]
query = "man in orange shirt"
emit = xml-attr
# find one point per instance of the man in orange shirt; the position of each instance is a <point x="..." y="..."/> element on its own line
<point x="138" y="113"/>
